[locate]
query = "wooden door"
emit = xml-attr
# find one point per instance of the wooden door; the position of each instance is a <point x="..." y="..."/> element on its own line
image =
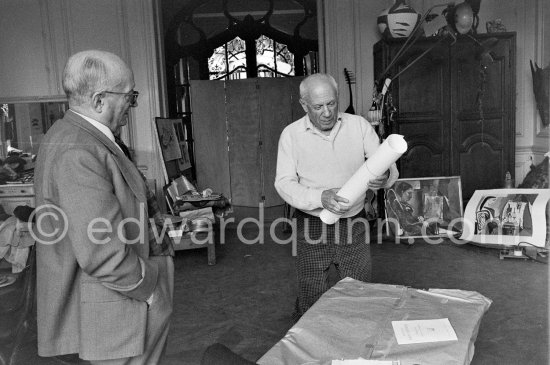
<point x="422" y="96"/>
<point x="437" y="100"/>
<point x="482" y="120"/>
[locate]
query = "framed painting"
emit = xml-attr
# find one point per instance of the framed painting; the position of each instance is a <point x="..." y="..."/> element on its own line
<point x="184" y="161"/>
<point x="424" y="207"/>
<point x="168" y="139"/>
<point x="507" y="217"/>
<point x="172" y="140"/>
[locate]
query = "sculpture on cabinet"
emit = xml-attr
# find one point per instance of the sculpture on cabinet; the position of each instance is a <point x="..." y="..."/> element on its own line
<point x="541" y="88"/>
<point x="537" y="178"/>
<point x="398" y="21"/>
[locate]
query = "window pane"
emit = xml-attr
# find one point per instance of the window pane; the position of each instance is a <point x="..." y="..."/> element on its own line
<point x="228" y="61"/>
<point x="273" y="59"/>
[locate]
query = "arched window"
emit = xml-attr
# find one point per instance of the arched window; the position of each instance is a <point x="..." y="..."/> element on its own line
<point x="230" y="39"/>
<point x="228" y="62"/>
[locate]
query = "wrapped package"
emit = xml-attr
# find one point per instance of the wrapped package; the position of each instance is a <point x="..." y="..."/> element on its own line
<point x="353" y="320"/>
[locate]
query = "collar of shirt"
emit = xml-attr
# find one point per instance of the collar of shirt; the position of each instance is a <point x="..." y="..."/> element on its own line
<point x="101" y="127"/>
<point x="308" y="125"/>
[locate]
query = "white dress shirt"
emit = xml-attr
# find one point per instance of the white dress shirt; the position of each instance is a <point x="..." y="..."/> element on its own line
<point x="101" y="127"/>
<point x="309" y="162"/>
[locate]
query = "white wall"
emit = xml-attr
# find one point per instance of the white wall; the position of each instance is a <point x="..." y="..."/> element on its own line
<point x="348" y="31"/>
<point x="37" y="37"/>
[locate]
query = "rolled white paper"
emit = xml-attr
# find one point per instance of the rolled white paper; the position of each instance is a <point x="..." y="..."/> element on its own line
<point x="387" y="153"/>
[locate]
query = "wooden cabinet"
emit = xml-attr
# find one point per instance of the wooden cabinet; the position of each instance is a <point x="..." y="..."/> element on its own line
<point x="455" y="107"/>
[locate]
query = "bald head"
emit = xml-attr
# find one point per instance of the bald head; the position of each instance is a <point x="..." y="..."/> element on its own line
<point x="90" y="71"/>
<point x="319" y="99"/>
<point x="316" y="81"/>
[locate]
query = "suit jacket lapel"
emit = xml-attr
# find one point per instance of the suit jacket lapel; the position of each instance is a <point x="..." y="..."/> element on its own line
<point x="127" y="168"/>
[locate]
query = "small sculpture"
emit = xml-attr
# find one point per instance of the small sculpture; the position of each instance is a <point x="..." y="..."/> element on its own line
<point x="541" y="88"/>
<point x="398" y="21"/>
<point x="495" y="26"/>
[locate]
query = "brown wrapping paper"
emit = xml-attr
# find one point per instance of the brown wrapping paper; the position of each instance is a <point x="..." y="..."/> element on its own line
<point x="353" y="319"/>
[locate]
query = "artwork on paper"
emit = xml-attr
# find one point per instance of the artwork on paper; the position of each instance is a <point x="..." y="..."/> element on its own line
<point x="507" y="217"/>
<point x="424" y="207"/>
<point x="185" y="161"/>
<point x="168" y="139"/>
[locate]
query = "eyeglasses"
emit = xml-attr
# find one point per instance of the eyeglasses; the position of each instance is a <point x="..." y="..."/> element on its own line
<point x="132" y="95"/>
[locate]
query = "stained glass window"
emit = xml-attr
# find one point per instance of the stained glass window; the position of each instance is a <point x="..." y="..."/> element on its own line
<point x="273" y="59"/>
<point x="229" y="61"/>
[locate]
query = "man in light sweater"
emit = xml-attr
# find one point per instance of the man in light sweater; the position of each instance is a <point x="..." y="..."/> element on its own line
<point x="317" y="155"/>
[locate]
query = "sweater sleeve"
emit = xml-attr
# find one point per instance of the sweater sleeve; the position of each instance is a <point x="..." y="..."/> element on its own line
<point x="287" y="181"/>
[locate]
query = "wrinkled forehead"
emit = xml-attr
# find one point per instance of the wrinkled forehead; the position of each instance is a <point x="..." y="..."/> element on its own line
<point x="321" y="92"/>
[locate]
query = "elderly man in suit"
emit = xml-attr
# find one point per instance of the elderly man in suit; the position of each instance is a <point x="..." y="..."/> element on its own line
<point x="101" y="291"/>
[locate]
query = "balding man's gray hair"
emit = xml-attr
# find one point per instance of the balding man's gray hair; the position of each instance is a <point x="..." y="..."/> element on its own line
<point x="308" y="81"/>
<point x="90" y="71"/>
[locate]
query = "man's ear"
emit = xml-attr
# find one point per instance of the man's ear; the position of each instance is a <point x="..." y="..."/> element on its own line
<point x="303" y="104"/>
<point x="97" y="101"/>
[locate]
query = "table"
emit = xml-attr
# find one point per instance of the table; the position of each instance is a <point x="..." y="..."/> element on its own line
<point x="13" y="195"/>
<point x="353" y="319"/>
<point x="192" y="240"/>
<point x="195" y="208"/>
<point x="191" y="237"/>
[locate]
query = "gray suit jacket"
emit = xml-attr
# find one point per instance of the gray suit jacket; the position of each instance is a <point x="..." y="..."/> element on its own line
<point x="88" y="266"/>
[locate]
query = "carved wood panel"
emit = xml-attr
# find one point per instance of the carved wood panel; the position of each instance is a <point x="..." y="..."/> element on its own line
<point x="427" y="154"/>
<point x="483" y="115"/>
<point x="422" y="104"/>
<point x="480" y="168"/>
<point x="456" y="108"/>
<point x="421" y="160"/>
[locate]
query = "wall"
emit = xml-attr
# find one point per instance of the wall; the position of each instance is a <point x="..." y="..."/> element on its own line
<point x="53" y="29"/>
<point x="348" y="30"/>
<point x="39" y="35"/>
